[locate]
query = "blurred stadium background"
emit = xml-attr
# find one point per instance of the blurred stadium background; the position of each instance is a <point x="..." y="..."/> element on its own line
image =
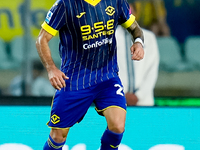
<point x="177" y="91"/>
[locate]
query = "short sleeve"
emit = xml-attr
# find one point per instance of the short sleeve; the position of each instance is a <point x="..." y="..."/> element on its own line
<point x="125" y="16"/>
<point x="56" y="18"/>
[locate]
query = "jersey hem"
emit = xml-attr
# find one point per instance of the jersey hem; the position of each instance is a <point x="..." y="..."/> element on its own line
<point x="71" y="87"/>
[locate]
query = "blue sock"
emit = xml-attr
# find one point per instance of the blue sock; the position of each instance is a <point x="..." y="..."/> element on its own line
<point x="52" y="145"/>
<point x="110" y="140"/>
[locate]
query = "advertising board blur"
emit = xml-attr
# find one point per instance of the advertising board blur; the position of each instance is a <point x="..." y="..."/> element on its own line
<point x="147" y="128"/>
<point x="12" y="17"/>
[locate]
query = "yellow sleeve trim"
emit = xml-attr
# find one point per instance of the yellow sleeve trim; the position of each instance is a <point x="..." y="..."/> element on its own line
<point x="129" y="22"/>
<point x="49" y="29"/>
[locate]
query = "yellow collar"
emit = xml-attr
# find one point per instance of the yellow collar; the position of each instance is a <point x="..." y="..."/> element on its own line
<point x="92" y="2"/>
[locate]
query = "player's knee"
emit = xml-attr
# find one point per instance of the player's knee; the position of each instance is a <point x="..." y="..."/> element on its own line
<point x="58" y="138"/>
<point x="117" y="128"/>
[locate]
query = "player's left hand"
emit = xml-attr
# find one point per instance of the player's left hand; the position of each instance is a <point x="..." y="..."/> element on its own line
<point x="137" y="51"/>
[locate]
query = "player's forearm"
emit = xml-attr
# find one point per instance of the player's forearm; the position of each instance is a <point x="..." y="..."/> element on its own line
<point x="45" y="53"/>
<point x="136" y="32"/>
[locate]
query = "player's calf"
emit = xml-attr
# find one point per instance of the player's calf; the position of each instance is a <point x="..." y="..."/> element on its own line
<point x="110" y="140"/>
<point x="52" y="145"/>
<point x="56" y="139"/>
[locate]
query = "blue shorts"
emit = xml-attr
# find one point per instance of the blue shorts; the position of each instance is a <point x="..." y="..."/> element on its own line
<point x="69" y="107"/>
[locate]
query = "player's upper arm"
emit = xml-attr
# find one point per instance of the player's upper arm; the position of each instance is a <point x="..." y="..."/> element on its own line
<point x="49" y="29"/>
<point x="126" y="18"/>
<point x="44" y="36"/>
<point x="56" y="18"/>
<point x="132" y="26"/>
<point x="129" y="22"/>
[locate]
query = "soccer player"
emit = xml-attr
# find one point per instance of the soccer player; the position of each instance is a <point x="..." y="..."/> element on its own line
<point x="89" y="71"/>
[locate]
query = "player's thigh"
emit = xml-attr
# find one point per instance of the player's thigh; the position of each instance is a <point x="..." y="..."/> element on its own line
<point x="111" y="103"/>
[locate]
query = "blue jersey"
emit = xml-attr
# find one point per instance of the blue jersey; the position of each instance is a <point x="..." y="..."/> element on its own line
<point x="87" y="38"/>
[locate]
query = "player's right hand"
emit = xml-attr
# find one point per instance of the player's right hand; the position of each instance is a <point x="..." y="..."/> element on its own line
<point x="137" y="51"/>
<point x="57" y="78"/>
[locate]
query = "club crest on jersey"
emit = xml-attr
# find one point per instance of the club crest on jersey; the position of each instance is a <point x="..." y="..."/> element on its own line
<point x="110" y="10"/>
<point x="48" y="17"/>
<point x="55" y="119"/>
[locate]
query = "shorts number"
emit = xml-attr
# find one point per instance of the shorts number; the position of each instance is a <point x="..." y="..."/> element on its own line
<point x="119" y="91"/>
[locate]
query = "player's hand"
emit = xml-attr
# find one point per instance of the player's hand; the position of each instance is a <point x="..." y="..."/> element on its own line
<point x="131" y="99"/>
<point x="57" y="78"/>
<point x="137" y="51"/>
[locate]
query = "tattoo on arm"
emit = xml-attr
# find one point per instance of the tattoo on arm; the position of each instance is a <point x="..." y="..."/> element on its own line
<point x="136" y="31"/>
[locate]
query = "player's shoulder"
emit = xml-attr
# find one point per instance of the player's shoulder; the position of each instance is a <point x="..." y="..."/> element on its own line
<point x="119" y="1"/>
<point x="59" y="2"/>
